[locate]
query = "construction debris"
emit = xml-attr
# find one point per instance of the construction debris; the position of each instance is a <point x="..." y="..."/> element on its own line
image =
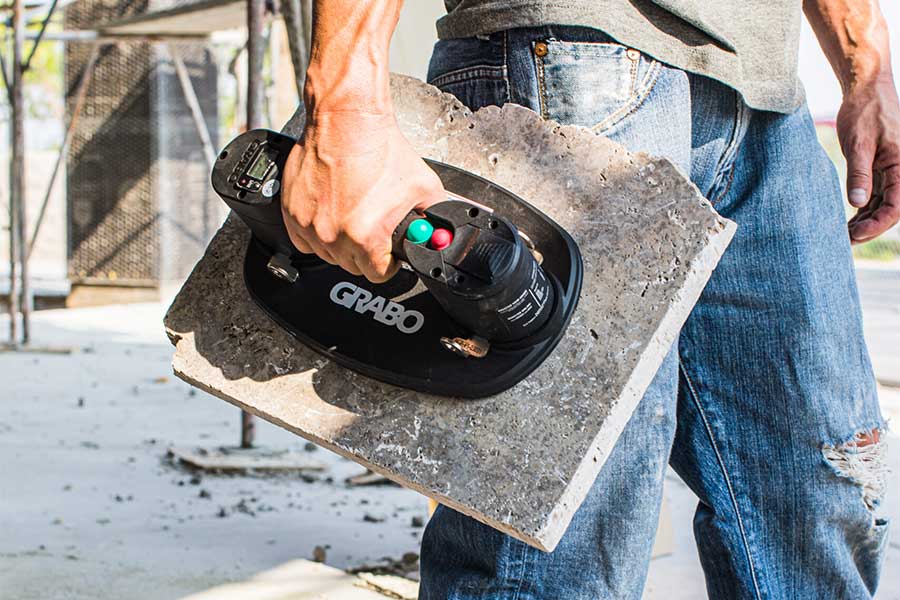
<point x="368" y="477"/>
<point x="319" y="554"/>
<point x="406" y="566"/>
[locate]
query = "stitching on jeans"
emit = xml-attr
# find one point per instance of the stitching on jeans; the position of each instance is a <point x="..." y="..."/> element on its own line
<point x="634" y="103"/>
<point x="504" y="576"/>
<point x="542" y="89"/>
<point x="469" y="74"/>
<point x="727" y="184"/>
<point x="523" y="569"/>
<point x="506" y="67"/>
<point x="731" y="151"/>
<point x="721" y="462"/>
<point x="728" y="146"/>
<point x="634" y="73"/>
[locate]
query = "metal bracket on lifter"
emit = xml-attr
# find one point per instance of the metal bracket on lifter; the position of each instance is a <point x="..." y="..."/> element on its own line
<point x="280" y="266"/>
<point x="474" y="347"/>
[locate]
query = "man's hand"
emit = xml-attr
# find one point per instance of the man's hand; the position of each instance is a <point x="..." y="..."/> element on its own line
<point x="868" y="127"/>
<point x="854" y="36"/>
<point x="353" y="176"/>
<point x="353" y="179"/>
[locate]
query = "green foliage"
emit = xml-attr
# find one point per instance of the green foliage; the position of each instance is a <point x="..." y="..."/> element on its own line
<point x="878" y="249"/>
<point x="44" y="79"/>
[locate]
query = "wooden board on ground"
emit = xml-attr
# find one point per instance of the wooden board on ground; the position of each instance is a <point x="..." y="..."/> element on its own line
<point x="230" y="460"/>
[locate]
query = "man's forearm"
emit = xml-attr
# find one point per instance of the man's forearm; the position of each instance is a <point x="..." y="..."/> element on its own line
<point x="352" y="177"/>
<point x="854" y="37"/>
<point x="348" y="70"/>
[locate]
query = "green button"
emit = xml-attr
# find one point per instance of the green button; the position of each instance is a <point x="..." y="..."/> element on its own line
<point x="419" y="231"/>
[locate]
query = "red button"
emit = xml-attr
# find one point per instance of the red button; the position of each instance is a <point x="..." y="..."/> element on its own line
<point x="441" y="238"/>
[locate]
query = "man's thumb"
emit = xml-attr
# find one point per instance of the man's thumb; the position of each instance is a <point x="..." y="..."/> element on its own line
<point x="859" y="178"/>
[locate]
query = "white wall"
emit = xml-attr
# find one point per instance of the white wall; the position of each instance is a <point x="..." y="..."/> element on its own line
<point x="415" y="36"/>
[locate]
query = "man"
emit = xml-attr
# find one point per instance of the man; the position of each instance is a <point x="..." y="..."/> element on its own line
<point x="766" y="405"/>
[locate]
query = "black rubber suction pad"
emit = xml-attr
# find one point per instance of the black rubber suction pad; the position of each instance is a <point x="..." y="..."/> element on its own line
<point x="392" y="331"/>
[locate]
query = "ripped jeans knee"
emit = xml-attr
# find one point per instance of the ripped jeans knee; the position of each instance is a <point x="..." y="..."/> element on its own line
<point x="863" y="460"/>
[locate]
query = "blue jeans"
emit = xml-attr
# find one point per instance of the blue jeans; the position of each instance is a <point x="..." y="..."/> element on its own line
<point x="766" y="406"/>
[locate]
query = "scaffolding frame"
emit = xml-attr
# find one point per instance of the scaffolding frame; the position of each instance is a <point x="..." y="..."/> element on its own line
<point x="298" y="25"/>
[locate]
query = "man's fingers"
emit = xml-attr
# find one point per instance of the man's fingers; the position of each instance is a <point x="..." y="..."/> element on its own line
<point x="342" y="254"/>
<point x="309" y="244"/>
<point x="298" y="242"/>
<point x="323" y="252"/>
<point x="377" y="269"/>
<point x="433" y="185"/>
<point x="884" y="212"/>
<point x="882" y="219"/>
<point x="315" y="246"/>
<point x="859" y="174"/>
<point x="346" y="215"/>
<point x="353" y="269"/>
<point x="863" y="214"/>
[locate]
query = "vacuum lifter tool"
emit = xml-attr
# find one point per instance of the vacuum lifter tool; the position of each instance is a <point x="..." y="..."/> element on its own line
<point x="497" y="297"/>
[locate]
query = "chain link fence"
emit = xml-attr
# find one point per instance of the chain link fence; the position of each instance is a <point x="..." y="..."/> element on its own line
<point x="141" y="210"/>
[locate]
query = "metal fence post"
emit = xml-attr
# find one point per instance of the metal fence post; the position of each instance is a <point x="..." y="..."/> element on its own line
<point x="256" y="48"/>
<point x="17" y="180"/>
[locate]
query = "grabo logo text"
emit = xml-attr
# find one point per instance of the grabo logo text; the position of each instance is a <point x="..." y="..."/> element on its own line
<point x="382" y="309"/>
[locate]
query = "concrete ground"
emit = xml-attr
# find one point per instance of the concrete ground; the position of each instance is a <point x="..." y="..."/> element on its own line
<point x="91" y="507"/>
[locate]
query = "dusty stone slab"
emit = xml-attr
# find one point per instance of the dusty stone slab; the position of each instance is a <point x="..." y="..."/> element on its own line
<point x="521" y="461"/>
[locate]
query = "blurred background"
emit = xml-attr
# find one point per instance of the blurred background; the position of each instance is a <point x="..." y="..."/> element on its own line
<point x="123" y="105"/>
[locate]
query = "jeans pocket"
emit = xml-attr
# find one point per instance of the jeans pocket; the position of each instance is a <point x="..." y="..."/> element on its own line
<point x="476" y="86"/>
<point x="472" y="69"/>
<point x="592" y="84"/>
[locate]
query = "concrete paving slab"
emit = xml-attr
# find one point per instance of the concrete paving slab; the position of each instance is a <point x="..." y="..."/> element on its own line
<point x="879" y="286"/>
<point x="299" y="580"/>
<point x="92" y="509"/>
<point x="521" y="461"/>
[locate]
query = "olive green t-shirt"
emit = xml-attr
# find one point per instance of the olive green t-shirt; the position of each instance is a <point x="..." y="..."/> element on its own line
<point x="750" y="45"/>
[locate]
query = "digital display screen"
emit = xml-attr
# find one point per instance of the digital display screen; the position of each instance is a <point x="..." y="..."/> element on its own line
<point x="260" y="166"/>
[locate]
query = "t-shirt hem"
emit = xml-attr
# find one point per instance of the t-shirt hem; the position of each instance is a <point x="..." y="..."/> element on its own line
<point x="630" y="27"/>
